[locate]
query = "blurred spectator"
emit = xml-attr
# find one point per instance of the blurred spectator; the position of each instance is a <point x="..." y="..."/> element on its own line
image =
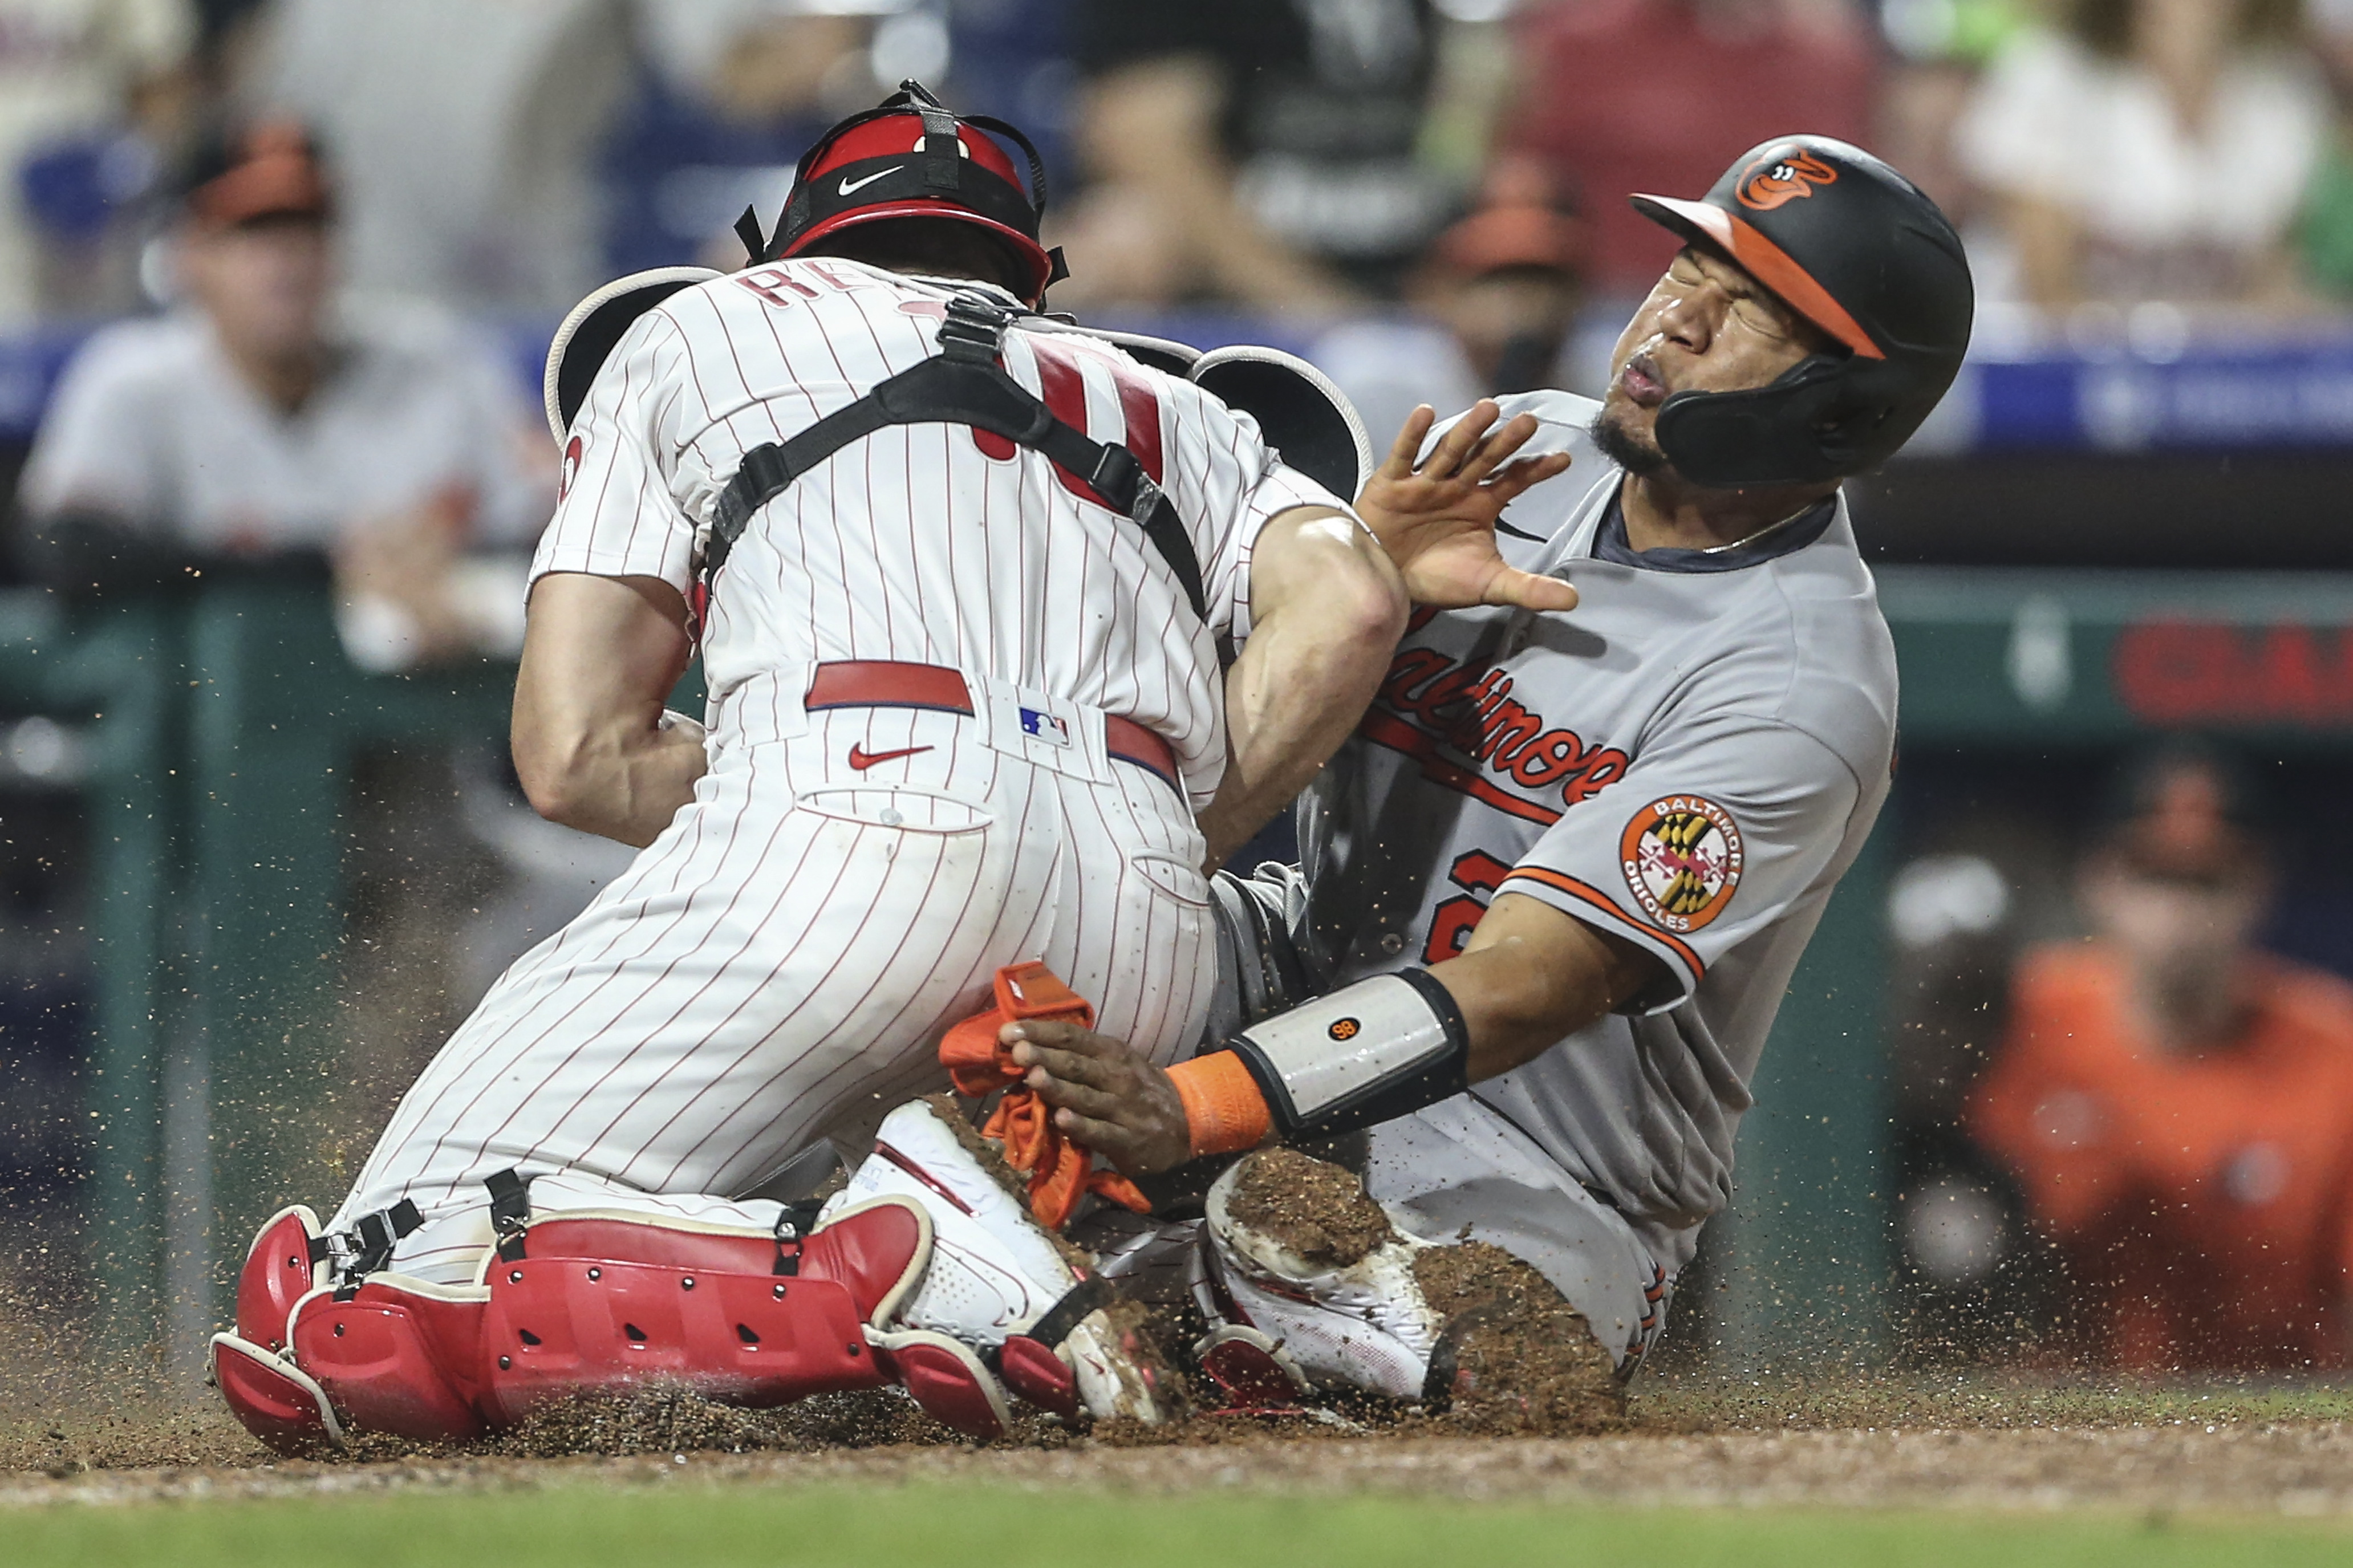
<point x="2150" y="150"/>
<point x="1618" y="96"/>
<point x="1261" y="152"/>
<point x="467" y="137"/>
<point x="2324" y="236"/>
<point x="1011" y="59"/>
<point x="729" y="94"/>
<point x="258" y="431"/>
<point x="1939" y="48"/>
<point x="75" y="76"/>
<point x="1494" y="302"/>
<point x="255" y="429"/>
<point x="2178" y="1106"/>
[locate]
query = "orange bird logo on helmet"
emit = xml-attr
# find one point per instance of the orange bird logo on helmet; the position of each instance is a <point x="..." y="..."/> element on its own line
<point x="1767" y="182"/>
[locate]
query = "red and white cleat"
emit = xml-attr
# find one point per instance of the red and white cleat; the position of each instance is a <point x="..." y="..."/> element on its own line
<point x="999" y="1283"/>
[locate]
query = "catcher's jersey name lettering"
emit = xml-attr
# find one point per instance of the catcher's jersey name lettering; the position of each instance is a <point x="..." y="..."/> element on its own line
<point x="784" y="287"/>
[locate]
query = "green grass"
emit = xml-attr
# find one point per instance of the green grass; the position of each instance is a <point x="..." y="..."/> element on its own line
<point x="688" y="1524"/>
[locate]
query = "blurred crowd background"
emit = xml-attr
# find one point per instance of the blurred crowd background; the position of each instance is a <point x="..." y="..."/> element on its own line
<point x="275" y="276"/>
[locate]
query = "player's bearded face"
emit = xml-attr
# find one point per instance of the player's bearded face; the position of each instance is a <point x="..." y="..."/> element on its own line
<point x="1707" y="326"/>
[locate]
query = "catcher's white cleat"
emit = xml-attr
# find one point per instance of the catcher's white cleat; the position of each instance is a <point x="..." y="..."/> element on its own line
<point x="1353" y="1321"/>
<point x="999" y="1282"/>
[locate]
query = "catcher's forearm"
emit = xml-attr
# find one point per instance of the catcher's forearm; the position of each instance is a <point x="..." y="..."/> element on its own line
<point x="1326" y="610"/>
<point x="627" y="785"/>
<point x="593" y="745"/>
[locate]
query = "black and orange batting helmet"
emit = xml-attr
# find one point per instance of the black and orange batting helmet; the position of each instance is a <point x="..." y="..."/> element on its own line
<point x="1862" y="253"/>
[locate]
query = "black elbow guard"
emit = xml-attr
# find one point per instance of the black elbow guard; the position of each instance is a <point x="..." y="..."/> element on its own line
<point x="1367" y="1054"/>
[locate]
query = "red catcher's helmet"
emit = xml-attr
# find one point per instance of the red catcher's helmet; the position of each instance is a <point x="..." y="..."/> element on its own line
<point x="911" y="158"/>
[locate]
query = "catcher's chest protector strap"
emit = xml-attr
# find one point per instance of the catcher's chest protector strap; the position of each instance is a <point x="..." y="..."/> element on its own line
<point x="963" y="385"/>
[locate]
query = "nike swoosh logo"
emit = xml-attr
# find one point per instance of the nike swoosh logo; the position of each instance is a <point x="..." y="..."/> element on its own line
<point x="849" y="184"/>
<point x="861" y="759"/>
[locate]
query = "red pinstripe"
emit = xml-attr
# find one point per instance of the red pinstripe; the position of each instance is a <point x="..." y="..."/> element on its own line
<point x="915" y="924"/>
<point x="653" y="935"/>
<point x="841" y="868"/>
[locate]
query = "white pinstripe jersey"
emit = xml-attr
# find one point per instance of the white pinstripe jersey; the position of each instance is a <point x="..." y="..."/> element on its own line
<point x="934" y="543"/>
<point x="1688" y="760"/>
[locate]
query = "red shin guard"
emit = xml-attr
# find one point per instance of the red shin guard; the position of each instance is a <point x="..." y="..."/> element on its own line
<point x="279" y="1271"/>
<point x="597" y="1303"/>
<point x="274" y="1399"/>
<point x="391" y="1357"/>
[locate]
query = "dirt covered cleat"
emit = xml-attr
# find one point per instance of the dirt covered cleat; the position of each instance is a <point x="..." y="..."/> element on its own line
<point x="1515" y="1355"/>
<point x="1296" y="1250"/>
<point x="999" y="1282"/>
<point x="1304" y="1275"/>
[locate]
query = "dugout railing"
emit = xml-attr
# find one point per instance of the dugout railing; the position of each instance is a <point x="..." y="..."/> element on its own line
<point x="221" y="731"/>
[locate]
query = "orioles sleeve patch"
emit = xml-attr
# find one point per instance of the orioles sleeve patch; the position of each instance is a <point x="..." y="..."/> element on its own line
<point x="1681" y="857"/>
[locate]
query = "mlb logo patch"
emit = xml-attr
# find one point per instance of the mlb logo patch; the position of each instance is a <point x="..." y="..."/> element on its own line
<point x="1045" y="727"/>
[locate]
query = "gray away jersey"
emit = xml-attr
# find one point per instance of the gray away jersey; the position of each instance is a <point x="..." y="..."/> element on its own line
<point x="1689" y="760"/>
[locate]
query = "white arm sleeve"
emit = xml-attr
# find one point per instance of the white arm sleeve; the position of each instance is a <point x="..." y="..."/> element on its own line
<point x="616" y="515"/>
<point x="1224" y="473"/>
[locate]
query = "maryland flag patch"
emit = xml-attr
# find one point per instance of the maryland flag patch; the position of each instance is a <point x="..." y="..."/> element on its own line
<point x="1681" y="858"/>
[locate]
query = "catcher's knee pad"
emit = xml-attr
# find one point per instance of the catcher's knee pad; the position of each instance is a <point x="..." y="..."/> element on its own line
<point x="310" y="1362"/>
<point x="394" y="1356"/>
<point x="287" y="1261"/>
<point x="272" y="1398"/>
<point x="254" y="1366"/>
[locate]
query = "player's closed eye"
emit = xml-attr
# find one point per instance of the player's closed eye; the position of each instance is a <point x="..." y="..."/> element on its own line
<point x="1762" y="318"/>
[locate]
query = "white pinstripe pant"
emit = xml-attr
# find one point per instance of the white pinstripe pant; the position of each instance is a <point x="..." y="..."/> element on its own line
<point x="778" y="966"/>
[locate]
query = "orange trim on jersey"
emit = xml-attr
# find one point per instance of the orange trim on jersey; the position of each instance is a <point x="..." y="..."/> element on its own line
<point x="1387" y="730"/>
<point x="1576" y="889"/>
<point x="1776" y="269"/>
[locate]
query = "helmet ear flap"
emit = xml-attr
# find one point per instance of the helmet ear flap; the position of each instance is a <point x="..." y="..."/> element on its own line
<point x="1824" y="419"/>
<point x="1770" y="434"/>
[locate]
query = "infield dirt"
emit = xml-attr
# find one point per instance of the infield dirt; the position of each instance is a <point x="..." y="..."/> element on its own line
<point x="1975" y="1443"/>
